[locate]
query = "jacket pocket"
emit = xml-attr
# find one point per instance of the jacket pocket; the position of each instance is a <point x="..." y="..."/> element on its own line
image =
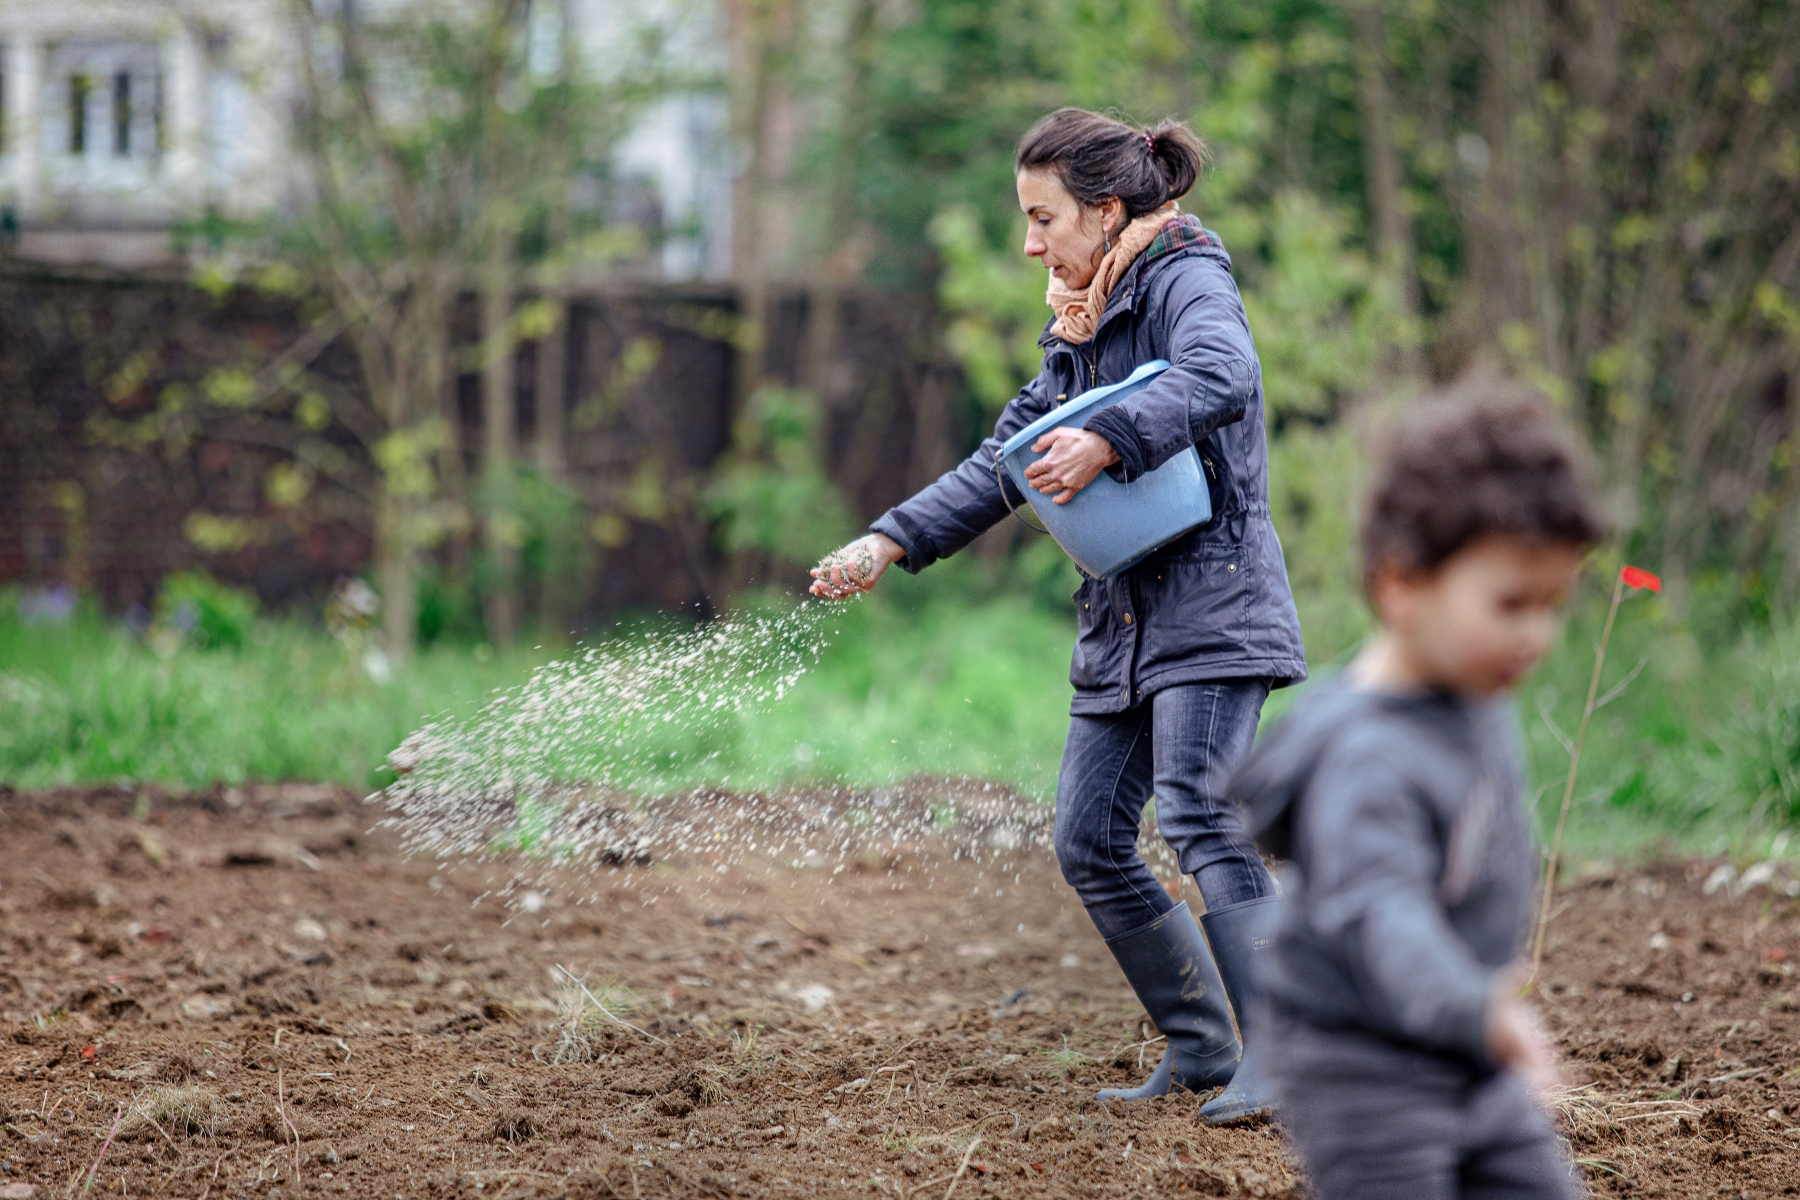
<point x="1219" y="485"/>
<point x="1199" y="603"/>
<point x="1093" y="664"/>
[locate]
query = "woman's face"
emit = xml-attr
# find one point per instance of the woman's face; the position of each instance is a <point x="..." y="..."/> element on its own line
<point x="1067" y="235"/>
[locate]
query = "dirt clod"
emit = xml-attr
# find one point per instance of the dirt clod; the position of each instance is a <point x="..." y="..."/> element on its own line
<point x="516" y="1125"/>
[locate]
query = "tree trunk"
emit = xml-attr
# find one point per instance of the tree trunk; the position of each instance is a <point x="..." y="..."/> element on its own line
<point x="550" y="389"/>
<point x="499" y="416"/>
<point x="1783" y="492"/>
<point x="557" y="597"/>
<point x="1390" y="225"/>
<point x="933" y="451"/>
<point x="394" y="576"/>
<point x="760" y="32"/>
<point x="825" y="306"/>
<point x="757" y="30"/>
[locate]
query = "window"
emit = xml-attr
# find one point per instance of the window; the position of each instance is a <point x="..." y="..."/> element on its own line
<point x="122" y="114"/>
<point x="227" y="100"/>
<point x="111" y="94"/>
<point x="79" y="87"/>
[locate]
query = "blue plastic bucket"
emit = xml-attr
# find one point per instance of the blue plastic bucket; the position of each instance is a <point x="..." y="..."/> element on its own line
<point x="1108" y="526"/>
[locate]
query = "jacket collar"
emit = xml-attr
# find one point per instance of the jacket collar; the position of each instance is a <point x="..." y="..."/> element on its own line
<point x="1181" y="238"/>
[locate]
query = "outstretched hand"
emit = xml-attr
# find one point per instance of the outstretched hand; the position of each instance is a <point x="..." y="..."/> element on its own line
<point x="1072" y="458"/>
<point x="855" y="568"/>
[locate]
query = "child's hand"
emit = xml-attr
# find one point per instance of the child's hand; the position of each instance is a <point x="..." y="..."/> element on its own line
<point x="1516" y="1039"/>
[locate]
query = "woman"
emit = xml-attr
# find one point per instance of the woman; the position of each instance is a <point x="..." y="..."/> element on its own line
<point x="1175" y="656"/>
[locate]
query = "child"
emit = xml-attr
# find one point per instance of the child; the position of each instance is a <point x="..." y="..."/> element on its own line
<point x="1402" y="1057"/>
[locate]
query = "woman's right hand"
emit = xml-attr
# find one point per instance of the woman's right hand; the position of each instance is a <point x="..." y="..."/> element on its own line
<point x="855" y="568"/>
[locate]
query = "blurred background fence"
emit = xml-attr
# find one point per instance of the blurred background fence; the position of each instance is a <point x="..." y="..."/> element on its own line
<point x="110" y="483"/>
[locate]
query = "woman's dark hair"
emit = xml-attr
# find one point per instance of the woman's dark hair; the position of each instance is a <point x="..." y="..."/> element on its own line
<point x="1096" y="157"/>
<point x="1489" y="458"/>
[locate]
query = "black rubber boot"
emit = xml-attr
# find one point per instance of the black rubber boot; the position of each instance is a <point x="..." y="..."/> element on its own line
<point x="1171" y="970"/>
<point x="1237" y="934"/>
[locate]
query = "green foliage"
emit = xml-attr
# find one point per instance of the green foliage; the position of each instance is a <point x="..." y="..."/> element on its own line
<point x="547" y="526"/>
<point x="770" y="493"/>
<point x="431" y="138"/>
<point x="1322" y="316"/>
<point x="558" y="556"/>
<point x="1040" y="571"/>
<point x="550" y="528"/>
<point x="215" y="616"/>
<point x="962" y="670"/>
<point x="957" y="676"/>
<point x="995" y="305"/>
<point x="531" y="831"/>
<point x="1314" y="478"/>
<point x="1271" y="87"/>
<point x="1766" y="747"/>
<point x="454" y="109"/>
<point x="449" y="608"/>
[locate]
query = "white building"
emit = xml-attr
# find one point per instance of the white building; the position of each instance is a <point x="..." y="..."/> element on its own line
<point x="121" y="118"/>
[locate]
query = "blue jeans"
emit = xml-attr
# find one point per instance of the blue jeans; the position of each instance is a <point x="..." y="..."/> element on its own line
<point x="1180" y="744"/>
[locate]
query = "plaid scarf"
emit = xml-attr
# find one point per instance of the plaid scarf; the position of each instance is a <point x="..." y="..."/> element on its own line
<point x="1151" y="236"/>
<point x="1184" y="230"/>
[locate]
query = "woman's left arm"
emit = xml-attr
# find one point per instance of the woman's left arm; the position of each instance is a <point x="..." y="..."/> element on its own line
<point x="1212" y="377"/>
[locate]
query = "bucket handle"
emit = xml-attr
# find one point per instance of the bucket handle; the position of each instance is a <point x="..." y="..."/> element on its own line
<point x="1000" y="481"/>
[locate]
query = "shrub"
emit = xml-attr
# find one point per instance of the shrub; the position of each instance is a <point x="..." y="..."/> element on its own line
<point x="195" y="604"/>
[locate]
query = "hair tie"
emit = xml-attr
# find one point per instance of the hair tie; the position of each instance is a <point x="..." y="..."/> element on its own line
<point x="1150" y="143"/>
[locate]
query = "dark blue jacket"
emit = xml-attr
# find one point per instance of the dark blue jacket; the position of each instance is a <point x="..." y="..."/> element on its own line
<point x="1214" y="603"/>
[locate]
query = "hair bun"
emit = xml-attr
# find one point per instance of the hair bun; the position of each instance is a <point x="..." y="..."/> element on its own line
<point x="1097" y="157"/>
<point x="1178" y="153"/>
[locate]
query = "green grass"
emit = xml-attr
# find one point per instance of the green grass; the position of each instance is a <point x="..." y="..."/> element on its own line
<point x="88" y="702"/>
<point x="961" y="675"/>
<point x="934" y="680"/>
<point x="1700" y="753"/>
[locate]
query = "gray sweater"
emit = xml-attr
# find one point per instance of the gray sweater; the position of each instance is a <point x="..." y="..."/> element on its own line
<point x="1412" y="868"/>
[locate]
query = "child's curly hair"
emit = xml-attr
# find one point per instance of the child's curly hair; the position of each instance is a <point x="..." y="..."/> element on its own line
<point x="1489" y="458"/>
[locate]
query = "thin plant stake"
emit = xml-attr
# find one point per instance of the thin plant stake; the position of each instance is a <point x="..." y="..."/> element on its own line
<point x="281" y="1107"/>
<point x="104" y="1147"/>
<point x="1636" y="578"/>
<point x="961" y="1167"/>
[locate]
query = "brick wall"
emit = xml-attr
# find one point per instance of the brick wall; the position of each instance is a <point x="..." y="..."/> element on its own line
<point x="102" y="464"/>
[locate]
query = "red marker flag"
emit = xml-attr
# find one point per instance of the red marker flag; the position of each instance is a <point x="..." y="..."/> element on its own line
<point x="1637" y="577"/>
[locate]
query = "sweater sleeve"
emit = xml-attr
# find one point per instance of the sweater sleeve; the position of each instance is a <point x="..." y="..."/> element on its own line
<point x="1372" y="857"/>
<point x="1212" y="377"/>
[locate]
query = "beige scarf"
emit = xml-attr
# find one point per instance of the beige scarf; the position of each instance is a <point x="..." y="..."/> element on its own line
<point x="1078" y="309"/>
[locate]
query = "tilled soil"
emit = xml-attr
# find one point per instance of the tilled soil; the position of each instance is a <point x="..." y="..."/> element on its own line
<point x="248" y="992"/>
